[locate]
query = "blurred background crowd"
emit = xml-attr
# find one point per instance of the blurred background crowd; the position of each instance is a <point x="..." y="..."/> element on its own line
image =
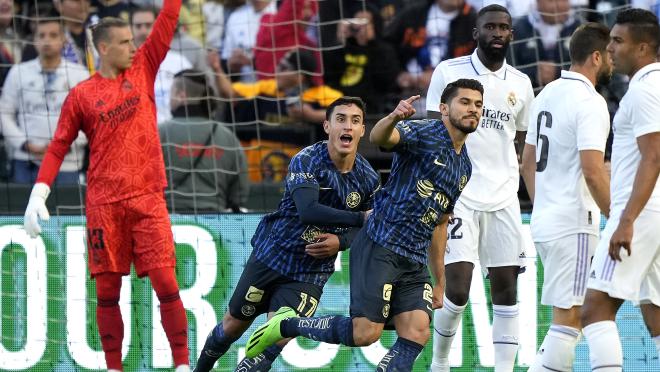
<point x="246" y="82"/>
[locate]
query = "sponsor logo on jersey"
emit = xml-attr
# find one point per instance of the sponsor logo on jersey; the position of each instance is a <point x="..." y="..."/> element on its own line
<point x="387" y="291"/>
<point x="311" y="233"/>
<point x="429" y="217"/>
<point x="254" y="294"/>
<point x="121" y="112"/>
<point x="463" y="181"/>
<point x="425" y="188"/>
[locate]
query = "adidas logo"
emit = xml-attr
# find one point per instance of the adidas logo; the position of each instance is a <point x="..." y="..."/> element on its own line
<point x="100" y="103"/>
<point x="593" y="274"/>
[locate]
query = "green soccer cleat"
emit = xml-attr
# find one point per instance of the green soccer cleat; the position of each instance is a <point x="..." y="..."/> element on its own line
<point x="269" y="333"/>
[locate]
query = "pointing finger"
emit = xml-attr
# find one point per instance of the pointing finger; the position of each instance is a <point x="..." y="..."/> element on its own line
<point x="413" y="99"/>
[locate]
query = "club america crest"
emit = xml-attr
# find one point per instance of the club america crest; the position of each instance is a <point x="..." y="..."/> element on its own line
<point x="353" y="199"/>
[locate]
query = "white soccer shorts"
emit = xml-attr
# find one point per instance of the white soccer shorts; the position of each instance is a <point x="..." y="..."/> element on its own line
<point x="636" y="277"/>
<point x="566" y="263"/>
<point x="492" y="239"/>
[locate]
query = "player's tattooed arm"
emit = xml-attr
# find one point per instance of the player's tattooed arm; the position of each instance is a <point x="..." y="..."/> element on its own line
<point x="437" y="260"/>
<point x="384" y="134"/>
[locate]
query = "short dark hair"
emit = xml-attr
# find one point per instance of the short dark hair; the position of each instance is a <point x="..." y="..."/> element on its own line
<point x="101" y="30"/>
<point x="346" y="100"/>
<point x="50" y="19"/>
<point x="643" y="26"/>
<point x="198" y="90"/>
<point x="586" y="39"/>
<point x="143" y="9"/>
<point x="493" y="8"/>
<point x="452" y="88"/>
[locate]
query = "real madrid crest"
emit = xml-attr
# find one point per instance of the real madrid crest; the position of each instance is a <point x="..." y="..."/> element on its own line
<point x="353" y="199"/>
<point x="462" y="183"/>
<point x="511" y="99"/>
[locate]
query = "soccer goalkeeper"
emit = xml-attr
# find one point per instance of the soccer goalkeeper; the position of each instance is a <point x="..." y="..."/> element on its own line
<point x="127" y="220"/>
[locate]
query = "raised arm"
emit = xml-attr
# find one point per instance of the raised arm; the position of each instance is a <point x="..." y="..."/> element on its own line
<point x="383" y="133"/>
<point x="158" y="43"/>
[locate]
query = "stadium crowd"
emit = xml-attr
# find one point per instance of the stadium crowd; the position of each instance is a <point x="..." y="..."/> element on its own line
<point x="265" y="70"/>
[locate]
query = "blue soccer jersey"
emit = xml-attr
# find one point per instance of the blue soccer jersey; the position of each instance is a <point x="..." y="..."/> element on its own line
<point x="280" y="239"/>
<point x="426" y="180"/>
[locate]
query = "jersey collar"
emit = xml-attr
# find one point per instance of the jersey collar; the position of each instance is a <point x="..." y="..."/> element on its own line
<point x="645" y="70"/>
<point x="480" y="69"/>
<point x="572" y="75"/>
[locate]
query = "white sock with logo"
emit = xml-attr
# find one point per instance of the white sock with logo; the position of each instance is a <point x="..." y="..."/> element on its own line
<point x="656" y="339"/>
<point x="605" y="352"/>
<point x="445" y="323"/>
<point x="505" y="336"/>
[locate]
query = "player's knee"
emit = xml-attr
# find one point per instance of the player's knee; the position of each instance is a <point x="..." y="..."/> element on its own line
<point x="163" y="280"/>
<point x="108" y="286"/>
<point x="366" y="332"/>
<point x="457" y="295"/>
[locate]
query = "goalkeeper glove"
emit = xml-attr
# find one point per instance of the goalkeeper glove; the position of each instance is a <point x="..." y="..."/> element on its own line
<point x="36" y="209"/>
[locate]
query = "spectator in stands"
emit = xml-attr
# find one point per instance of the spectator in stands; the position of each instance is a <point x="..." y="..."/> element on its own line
<point x="214" y="20"/>
<point x="142" y="21"/>
<point x="517" y="8"/>
<point x="426" y="34"/>
<point x="291" y="27"/>
<point x="206" y="166"/>
<point x="114" y="8"/>
<point x="367" y="66"/>
<point x="31" y="101"/>
<point x="10" y="42"/>
<point x="190" y="48"/>
<point x="291" y="96"/>
<point x="541" y="46"/>
<point x="77" y="17"/>
<point x="240" y="38"/>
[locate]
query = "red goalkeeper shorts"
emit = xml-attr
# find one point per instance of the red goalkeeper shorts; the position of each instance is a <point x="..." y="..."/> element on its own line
<point x="134" y="230"/>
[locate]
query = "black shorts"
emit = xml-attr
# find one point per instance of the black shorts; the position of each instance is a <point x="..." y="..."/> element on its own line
<point x="262" y="289"/>
<point x="384" y="284"/>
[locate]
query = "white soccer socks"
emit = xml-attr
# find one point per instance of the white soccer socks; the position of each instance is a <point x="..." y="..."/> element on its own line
<point x="656" y="339"/>
<point x="505" y="336"/>
<point x="445" y="323"/>
<point x="557" y="352"/>
<point x="605" y="352"/>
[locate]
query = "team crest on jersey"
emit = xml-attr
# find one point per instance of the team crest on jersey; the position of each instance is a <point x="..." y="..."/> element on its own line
<point x="311" y="233"/>
<point x="126" y="85"/>
<point x="425" y="188"/>
<point x="353" y="199"/>
<point x="511" y="99"/>
<point x="386" y="310"/>
<point x="462" y="183"/>
<point x="248" y="310"/>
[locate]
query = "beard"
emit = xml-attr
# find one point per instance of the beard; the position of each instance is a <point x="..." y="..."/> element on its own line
<point x="457" y="122"/>
<point x="493" y="54"/>
<point x="603" y="77"/>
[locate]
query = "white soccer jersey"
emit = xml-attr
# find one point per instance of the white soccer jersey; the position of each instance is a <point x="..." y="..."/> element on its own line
<point x="508" y="94"/>
<point x="30" y="107"/>
<point x="638" y="114"/>
<point x="567" y="117"/>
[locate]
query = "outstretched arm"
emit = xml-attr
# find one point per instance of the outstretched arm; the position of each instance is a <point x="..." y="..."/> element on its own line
<point x="311" y="212"/>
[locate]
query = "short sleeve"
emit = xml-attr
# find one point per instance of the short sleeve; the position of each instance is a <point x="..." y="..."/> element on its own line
<point x="522" y="119"/>
<point x="646" y="109"/>
<point x="408" y="135"/>
<point x="530" y="138"/>
<point x="436" y="87"/>
<point x="302" y="172"/>
<point x="593" y="125"/>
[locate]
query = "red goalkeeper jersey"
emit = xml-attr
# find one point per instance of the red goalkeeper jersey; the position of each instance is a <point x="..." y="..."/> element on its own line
<point x="119" y="118"/>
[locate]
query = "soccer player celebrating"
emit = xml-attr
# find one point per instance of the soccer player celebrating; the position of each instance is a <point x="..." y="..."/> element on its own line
<point x="390" y="283"/>
<point x="635" y="208"/>
<point x="486" y="225"/>
<point x="328" y="189"/>
<point x="569" y="186"/>
<point x="127" y="220"/>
